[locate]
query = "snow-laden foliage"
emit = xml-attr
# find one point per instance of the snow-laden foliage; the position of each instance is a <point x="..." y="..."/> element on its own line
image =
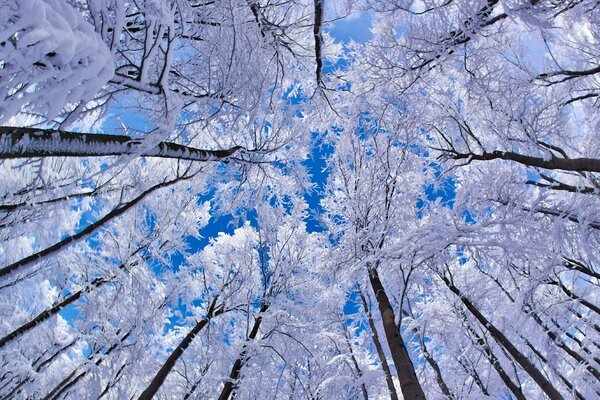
<point x="219" y="199"/>
<point x="50" y="57"/>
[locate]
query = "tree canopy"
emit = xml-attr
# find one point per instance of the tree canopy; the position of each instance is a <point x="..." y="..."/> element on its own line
<point x="210" y="199"/>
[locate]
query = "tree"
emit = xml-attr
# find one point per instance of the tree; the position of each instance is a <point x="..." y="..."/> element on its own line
<point x="162" y="235"/>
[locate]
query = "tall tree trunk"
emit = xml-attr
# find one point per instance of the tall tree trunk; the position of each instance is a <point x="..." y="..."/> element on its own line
<point x="562" y="378"/>
<point x="359" y="373"/>
<point x="378" y="347"/>
<point x="50" y="312"/>
<point x="523" y="361"/>
<point x="469" y="369"/>
<point x="565" y="164"/>
<point x="164" y="371"/>
<point x="436" y="369"/>
<point x="231" y="383"/>
<point x="409" y="384"/>
<point x="484" y="346"/>
<point x="558" y="342"/>
<point x="74" y="377"/>
<point x="90" y="229"/>
<point x="29" y="142"/>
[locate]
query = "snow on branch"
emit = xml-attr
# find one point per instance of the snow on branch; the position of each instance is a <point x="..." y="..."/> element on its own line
<point x="50" y="56"/>
<point x="29" y="142"/>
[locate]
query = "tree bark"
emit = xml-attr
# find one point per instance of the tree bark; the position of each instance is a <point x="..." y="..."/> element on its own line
<point x="359" y="373"/>
<point x="66" y="242"/>
<point x="164" y="371"/>
<point x="48" y="313"/>
<point x="69" y="381"/>
<point x="565" y="164"/>
<point x="18" y="142"/>
<point x="230" y="384"/>
<point x="409" y="384"/>
<point x="436" y="369"/>
<point x="523" y="361"/>
<point x="483" y="345"/>
<point x="382" y="358"/>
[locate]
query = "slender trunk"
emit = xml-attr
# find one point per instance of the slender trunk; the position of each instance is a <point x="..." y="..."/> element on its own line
<point x="50" y="312"/>
<point x="164" y="371"/>
<point x="230" y="385"/>
<point x="359" y="372"/>
<point x="317" y="33"/>
<point x="74" y="377"/>
<point x="90" y="229"/>
<point x="558" y="342"/>
<point x="483" y="345"/>
<point x="562" y="378"/>
<point x="572" y="295"/>
<point x="44" y="315"/>
<point x="409" y="384"/>
<point x="471" y="371"/>
<point x="378" y="347"/>
<point x="523" y="361"/>
<point x="565" y="164"/>
<point x="29" y="379"/>
<point x="436" y="369"/>
<point x="29" y="142"/>
<point x="579" y="266"/>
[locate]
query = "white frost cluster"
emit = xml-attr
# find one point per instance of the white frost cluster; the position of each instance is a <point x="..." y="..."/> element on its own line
<point x="49" y="57"/>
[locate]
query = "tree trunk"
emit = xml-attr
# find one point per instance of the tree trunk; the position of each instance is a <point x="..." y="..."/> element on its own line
<point x="436" y="369"/>
<point x="562" y="378"/>
<point x="69" y="381"/>
<point x="409" y="384"/>
<point x="164" y="371"/>
<point x="359" y="373"/>
<point x="375" y="336"/>
<point x="523" y="361"/>
<point x="483" y="345"/>
<point x="565" y="164"/>
<point x="230" y="384"/>
<point x="90" y="229"/>
<point x="29" y="142"/>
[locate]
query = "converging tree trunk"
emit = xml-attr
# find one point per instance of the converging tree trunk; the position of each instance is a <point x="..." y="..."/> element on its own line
<point x="519" y="357"/>
<point x="409" y="384"/>
<point x="164" y="371"/>
<point x="230" y="384"/>
<point x="91" y="228"/>
<point x="378" y="347"/>
<point x="18" y="142"/>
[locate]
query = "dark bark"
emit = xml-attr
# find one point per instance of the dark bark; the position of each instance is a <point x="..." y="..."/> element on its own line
<point x="164" y="371"/>
<point x="74" y="196"/>
<point x="581" y="267"/>
<point x="50" y="312"/>
<point x="75" y="377"/>
<point x="573" y="296"/>
<point x="18" y="142"/>
<point x="230" y="385"/>
<point x="483" y="345"/>
<point x="459" y="37"/>
<point x="359" y="372"/>
<point x="565" y="164"/>
<point x="562" y="345"/>
<point x="519" y="357"/>
<point x="469" y="369"/>
<point x="562" y="378"/>
<point x="66" y="242"/>
<point x="379" y="348"/>
<point x="317" y="29"/>
<point x="44" y="315"/>
<point x="409" y="384"/>
<point x="436" y="369"/>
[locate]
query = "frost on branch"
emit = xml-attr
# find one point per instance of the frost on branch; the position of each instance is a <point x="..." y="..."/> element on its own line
<point x="49" y="57"/>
